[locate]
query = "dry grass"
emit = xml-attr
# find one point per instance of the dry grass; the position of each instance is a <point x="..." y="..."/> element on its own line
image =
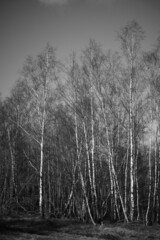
<point x="34" y="229"/>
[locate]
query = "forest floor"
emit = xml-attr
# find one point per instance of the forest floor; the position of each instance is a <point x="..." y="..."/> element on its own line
<point x="58" y="229"/>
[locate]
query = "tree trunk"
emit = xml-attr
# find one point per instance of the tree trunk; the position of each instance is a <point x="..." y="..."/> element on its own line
<point x="41" y="210"/>
<point x="80" y="171"/>
<point x="93" y="163"/>
<point x="131" y="151"/>
<point x="12" y="183"/>
<point x="150" y="182"/>
<point x="126" y="178"/>
<point x="137" y="187"/>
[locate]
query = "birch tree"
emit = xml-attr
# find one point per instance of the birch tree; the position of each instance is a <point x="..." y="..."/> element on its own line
<point x="152" y="70"/>
<point x="40" y="76"/>
<point x="130" y="37"/>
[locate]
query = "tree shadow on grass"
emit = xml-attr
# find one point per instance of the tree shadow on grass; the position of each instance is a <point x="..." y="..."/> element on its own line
<point x="35" y="228"/>
<point x="32" y="226"/>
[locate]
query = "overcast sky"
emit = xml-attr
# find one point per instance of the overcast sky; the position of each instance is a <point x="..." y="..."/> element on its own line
<point x="27" y="25"/>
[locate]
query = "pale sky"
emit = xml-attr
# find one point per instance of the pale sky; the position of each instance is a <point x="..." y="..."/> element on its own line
<point x="26" y="26"/>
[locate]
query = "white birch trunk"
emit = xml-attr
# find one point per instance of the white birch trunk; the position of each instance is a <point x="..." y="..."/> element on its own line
<point x="150" y="179"/>
<point x="137" y="188"/>
<point x="126" y="178"/>
<point x="80" y="172"/>
<point x="41" y="171"/>
<point x="13" y="185"/>
<point x="92" y="157"/>
<point x="88" y="159"/>
<point x="131" y="147"/>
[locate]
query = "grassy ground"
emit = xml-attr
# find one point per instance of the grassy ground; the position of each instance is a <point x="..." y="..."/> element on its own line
<point x="34" y="229"/>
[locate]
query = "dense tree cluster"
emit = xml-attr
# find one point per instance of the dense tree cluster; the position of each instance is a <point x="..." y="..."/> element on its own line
<point x="82" y="139"/>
